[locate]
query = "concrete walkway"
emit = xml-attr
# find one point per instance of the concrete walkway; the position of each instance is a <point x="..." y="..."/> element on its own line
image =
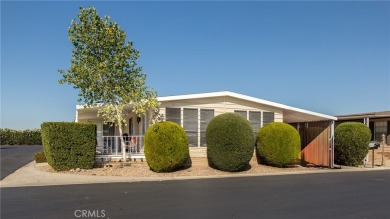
<point x="28" y="175"/>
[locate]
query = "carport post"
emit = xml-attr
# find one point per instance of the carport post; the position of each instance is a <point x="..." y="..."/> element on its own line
<point x="383" y="149"/>
<point x="332" y="144"/>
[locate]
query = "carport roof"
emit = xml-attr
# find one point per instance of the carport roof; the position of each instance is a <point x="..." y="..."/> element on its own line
<point x="372" y="115"/>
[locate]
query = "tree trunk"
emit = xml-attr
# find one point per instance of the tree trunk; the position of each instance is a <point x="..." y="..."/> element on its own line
<point x="122" y="143"/>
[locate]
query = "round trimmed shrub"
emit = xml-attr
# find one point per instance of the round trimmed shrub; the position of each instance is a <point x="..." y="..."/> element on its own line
<point x="230" y="142"/>
<point x="40" y="157"/>
<point x="351" y="143"/>
<point x="166" y="147"/>
<point x="278" y="144"/>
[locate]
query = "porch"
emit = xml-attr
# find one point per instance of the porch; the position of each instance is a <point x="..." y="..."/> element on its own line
<point x="109" y="147"/>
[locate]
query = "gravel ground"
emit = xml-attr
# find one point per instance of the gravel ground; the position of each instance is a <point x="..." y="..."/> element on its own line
<point x="197" y="169"/>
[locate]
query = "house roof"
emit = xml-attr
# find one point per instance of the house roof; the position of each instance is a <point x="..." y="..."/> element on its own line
<point x="290" y="114"/>
<point x="371" y="115"/>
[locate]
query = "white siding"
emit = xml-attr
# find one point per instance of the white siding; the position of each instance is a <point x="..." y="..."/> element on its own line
<point x="220" y="105"/>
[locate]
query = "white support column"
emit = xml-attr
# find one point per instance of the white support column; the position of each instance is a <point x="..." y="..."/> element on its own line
<point x="199" y="127"/>
<point x="181" y="117"/>
<point x="77" y="116"/>
<point x="367" y="122"/>
<point x="332" y="144"/>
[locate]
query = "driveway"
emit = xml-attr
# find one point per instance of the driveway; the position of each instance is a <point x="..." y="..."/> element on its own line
<point x="14" y="157"/>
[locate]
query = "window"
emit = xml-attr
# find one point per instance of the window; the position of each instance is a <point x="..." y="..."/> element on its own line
<point x="268" y="117"/>
<point x="380" y="128"/>
<point x="205" y="117"/>
<point x="131" y="127"/>
<point x="255" y="120"/>
<point x="190" y="125"/>
<point x="241" y="113"/>
<point x="173" y="115"/>
<point x="109" y="129"/>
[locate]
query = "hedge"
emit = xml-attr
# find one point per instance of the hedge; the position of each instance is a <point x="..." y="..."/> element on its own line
<point x="351" y="143"/>
<point x="69" y="145"/>
<point x="230" y="142"/>
<point x="166" y="147"/>
<point x="278" y="144"/>
<point x="20" y="137"/>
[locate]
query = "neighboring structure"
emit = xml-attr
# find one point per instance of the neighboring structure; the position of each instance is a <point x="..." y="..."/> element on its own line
<point x="193" y="112"/>
<point x="378" y="122"/>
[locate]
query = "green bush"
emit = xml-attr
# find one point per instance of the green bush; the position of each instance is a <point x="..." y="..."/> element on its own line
<point x="40" y="157"/>
<point x="278" y="144"/>
<point x="351" y="143"/>
<point x="69" y="145"/>
<point x="166" y="147"/>
<point x="23" y="137"/>
<point x="230" y="142"/>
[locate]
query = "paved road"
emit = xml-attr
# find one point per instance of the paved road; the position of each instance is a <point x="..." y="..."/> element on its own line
<point x="327" y="195"/>
<point x="14" y="157"/>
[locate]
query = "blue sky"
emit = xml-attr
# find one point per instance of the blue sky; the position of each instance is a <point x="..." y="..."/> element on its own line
<point x="327" y="57"/>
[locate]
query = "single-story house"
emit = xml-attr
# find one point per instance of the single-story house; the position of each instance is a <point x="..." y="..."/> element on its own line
<point x="378" y="122"/>
<point x="194" y="111"/>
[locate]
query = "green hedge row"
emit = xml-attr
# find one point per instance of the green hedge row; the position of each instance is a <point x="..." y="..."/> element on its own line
<point x="69" y="145"/>
<point x="23" y="137"/>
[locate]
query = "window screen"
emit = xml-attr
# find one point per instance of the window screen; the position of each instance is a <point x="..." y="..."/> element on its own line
<point x="380" y="128"/>
<point x="241" y="113"/>
<point x="173" y="115"/>
<point x="268" y="117"/>
<point x="205" y="116"/>
<point x="190" y="125"/>
<point x="255" y="119"/>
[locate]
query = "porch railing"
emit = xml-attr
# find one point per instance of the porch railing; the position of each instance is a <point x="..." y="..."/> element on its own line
<point x="111" y="145"/>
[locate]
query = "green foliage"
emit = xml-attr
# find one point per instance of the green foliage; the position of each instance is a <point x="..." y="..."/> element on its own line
<point x="69" y="145"/>
<point x="16" y="137"/>
<point x="40" y="157"/>
<point x="104" y="69"/>
<point x="278" y="144"/>
<point x="351" y="143"/>
<point x="166" y="147"/>
<point x="230" y="142"/>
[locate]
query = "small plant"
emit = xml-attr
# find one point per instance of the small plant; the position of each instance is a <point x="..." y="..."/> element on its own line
<point x="230" y="142"/>
<point x="40" y="157"/>
<point x="166" y="147"/>
<point x="278" y="144"/>
<point x="351" y="143"/>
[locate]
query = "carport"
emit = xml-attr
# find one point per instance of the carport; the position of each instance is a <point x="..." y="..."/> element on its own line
<point x="317" y="135"/>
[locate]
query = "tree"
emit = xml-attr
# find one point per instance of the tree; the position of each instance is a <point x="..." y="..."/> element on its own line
<point x="104" y="70"/>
